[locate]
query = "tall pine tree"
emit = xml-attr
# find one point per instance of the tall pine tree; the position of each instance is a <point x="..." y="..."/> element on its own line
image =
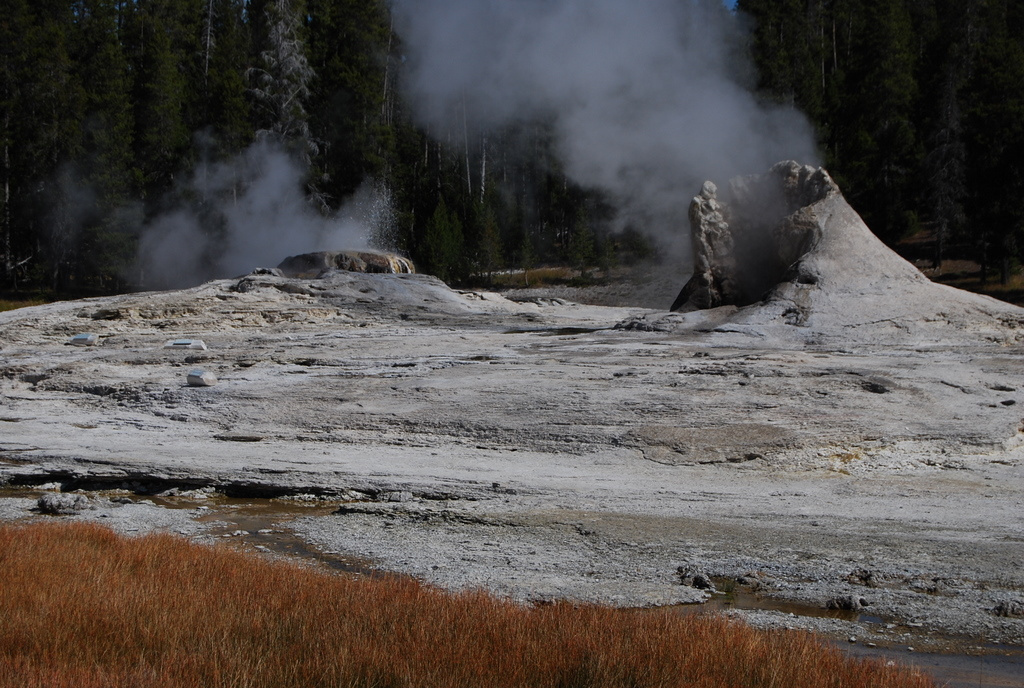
<point x="159" y="94"/>
<point x="39" y="126"/>
<point x="91" y="238"/>
<point x="280" y="81"/>
<point x="995" y="137"/>
<point x="349" y="53"/>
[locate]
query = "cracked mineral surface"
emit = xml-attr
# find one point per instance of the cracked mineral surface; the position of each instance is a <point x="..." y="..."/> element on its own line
<point x="868" y="457"/>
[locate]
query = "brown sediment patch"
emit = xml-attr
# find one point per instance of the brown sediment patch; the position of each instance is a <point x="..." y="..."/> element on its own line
<point x="733" y="443"/>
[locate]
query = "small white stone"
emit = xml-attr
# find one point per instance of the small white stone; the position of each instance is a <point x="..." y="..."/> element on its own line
<point x="186" y="344"/>
<point x="201" y="378"/>
<point x="85" y="339"/>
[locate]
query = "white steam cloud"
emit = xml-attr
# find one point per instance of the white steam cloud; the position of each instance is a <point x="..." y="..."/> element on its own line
<point x="647" y="99"/>
<point x="246" y="213"/>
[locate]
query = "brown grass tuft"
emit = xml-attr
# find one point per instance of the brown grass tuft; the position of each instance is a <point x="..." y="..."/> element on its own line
<point x="12" y="304"/>
<point x="83" y="607"/>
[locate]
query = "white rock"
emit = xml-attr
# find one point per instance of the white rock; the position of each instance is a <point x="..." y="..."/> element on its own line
<point x="85" y="339"/>
<point x="186" y="344"/>
<point x="201" y="378"/>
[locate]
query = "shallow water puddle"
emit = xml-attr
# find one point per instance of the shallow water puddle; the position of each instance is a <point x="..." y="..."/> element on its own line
<point x="256" y="523"/>
<point x="956" y="670"/>
<point x="262" y="524"/>
<point x="751" y="601"/>
<point x="993" y="667"/>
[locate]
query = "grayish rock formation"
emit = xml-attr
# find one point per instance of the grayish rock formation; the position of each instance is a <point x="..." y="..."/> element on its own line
<point x="745" y="244"/>
<point x="715" y="268"/>
<point x="799" y="265"/>
<point x="58" y="503"/>
<point x="201" y="378"/>
<point x="312" y="264"/>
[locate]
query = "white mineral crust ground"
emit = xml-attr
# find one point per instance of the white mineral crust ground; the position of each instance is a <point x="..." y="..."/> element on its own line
<point x="534" y="449"/>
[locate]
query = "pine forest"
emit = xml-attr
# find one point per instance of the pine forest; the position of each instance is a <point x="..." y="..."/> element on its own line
<point x="111" y="110"/>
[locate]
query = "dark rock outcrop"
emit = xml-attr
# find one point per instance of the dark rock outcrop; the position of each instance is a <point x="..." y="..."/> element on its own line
<point x="744" y="244"/>
<point x="847" y="603"/>
<point x="695" y="578"/>
<point x="306" y="265"/>
<point x="1012" y="609"/>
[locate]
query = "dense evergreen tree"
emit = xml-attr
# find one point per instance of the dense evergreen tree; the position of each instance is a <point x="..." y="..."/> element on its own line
<point x="489" y="253"/>
<point x="790" y="43"/>
<point x="280" y="80"/>
<point x="946" y="63"/>
<point x="995" y="126"/>
<point x="349" y="53"/>
<point x="90" y="239"/>
<point x="222" y="110"/>
<point x="917" y="112"/>
<point x="110" y="111"/>
<point x="881" y="141"/>
<point x="40" y="112"/>
<point x="159" y="93"/>
<point x="445" y="242"/>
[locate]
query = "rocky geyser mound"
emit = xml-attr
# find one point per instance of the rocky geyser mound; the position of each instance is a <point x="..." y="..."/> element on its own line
<point x="307" y="265"/>
<point x="784" y="255"/>
<point x="745" y="245"/>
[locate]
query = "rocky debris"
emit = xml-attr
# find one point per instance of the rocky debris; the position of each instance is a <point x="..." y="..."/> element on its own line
<point x="1013" y="609"/>
<point x="754" y="581"/>
<point x="192" y="344"/>
<point x="61" y="504"/>
<point x="201" y="378"/>
<point x="929" y="586"/>
<point x="695" y="578"/>
<point x="85" y="339"/>
<point x="387" y="296"/>
<point x="871" y="579"/>
<point x="733" y="443"/>
<point x="847" y="603"/>
<point x="308" y="265"/>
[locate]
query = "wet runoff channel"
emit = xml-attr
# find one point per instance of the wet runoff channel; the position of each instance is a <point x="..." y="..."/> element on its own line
<point x="259" y="524"/>
<point x="262" y="525"/>
<point x="990" y="666"/>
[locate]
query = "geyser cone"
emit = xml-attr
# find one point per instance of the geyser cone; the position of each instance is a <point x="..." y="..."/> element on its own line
<point x="784" y="254"/>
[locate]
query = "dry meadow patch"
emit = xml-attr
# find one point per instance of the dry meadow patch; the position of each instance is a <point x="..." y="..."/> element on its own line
<point x="12" y="304"/>
<point x="84" y="607"/>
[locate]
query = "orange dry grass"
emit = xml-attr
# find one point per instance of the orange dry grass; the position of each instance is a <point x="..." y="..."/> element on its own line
<point x="82" y="607"/>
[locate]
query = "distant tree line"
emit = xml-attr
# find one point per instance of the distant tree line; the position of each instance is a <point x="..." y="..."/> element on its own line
<point x="919" y="110"/>
<point x="108" y="106"/>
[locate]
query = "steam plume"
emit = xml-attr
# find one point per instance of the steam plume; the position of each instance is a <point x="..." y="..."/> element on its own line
<point x="646" y="99"/>
<point x="249" y="212"/>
